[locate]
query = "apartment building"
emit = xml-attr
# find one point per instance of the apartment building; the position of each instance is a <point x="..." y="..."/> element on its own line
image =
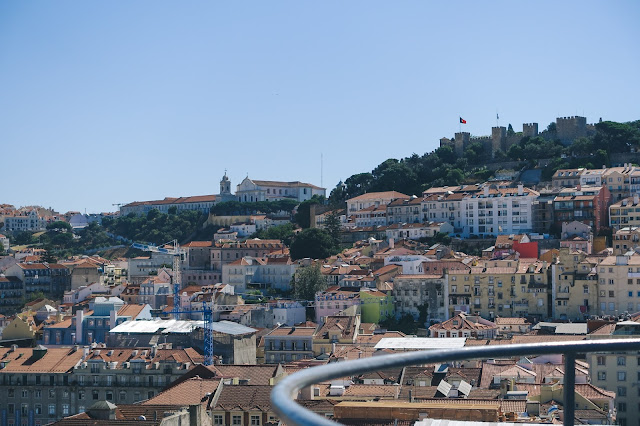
<point x="566" y="178"/>
<point x="224" y="252"/>
<point x="586" y="204"/>
<point x="618" y="181"/>
<point x="444" y="208"/>
<point x="574" y="288"/>
<point x="52" y="279"/>
<point x="416" y="231"/>
<point x="625" y="213"/>
<point x="405" y="210"/>
<point x="491" y="288"/>
<point x="498" y="210"/>
<point x="619" y="284"/>
<point x="618" y="372"/>
<point x="287" y="344"/>
<point x="412" y="293"/>
<point x="269" y="272"/>
<point x="626" y="239"/>
<point x="375" y="199"/>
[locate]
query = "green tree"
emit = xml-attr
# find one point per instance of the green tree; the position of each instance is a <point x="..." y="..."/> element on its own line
<point x="59" y="225"/>
<point x="22" y="238"/>
<point x="302" y="217"/>
<point x="283" y="233"/>
<point x="48" y="256"/>
<point x="307" y="281"/>
<point x="474" y="152"/>
<point x="313" y="243"/>
<point x="333" y="226"/>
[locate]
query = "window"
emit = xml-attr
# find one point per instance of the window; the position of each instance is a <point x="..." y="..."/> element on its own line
<point x="255" y="420"/>
<point x="95" y="395"/>
<point x="602" y="375"/>
<point x="622" y="376"/>
<point x="25" y="393"/>
<point x="602" y="360"/>
<point x="123" y="396"/>
<point x="52" y="409"/>
<point x="622" y="407"/>
<point x="65" y="409"/>
<point x="622" y="391"/>
<point x="622" y="360"/>
<point x="38" y="409"/>
<point x="217" y="419"/>
<point x="236" y="420"/>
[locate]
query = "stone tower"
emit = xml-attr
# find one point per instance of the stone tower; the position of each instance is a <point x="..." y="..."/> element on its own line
<point x="498" y="139"/>
<point x="530" y="130"/>
<point x="461" y="142"/>
<point x="225" y="185"/>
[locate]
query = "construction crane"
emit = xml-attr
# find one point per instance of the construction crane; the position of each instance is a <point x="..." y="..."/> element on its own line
<point x="206" y="311"/>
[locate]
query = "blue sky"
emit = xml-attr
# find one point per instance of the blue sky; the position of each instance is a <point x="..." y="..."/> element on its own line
<point x="112" y="102"/>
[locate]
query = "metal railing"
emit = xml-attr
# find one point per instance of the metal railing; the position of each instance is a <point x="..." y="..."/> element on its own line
<point x="284" y="393"/>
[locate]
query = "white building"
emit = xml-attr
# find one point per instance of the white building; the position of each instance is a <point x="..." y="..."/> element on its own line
<point x="592" y="177"/>
<point x="268" y="272"/>
<point x="250" y="190"/>
<point x="443" y="208"/>
<point x="496" y="211"/>
<point x="415" y="231"/>
<point x="372" y="216"/>
<point x="4" y="242"/>
<point x="243" y="229"/>
<point x="28" y="221"/>
<point x="202" y="203"/>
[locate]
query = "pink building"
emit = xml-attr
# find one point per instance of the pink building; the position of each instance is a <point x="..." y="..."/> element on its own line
<point x="335" y="300"/>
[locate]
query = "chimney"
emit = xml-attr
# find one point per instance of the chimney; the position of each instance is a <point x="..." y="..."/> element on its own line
<point x="391" y="243"/>
<point x="79" y="318"/>
<point x="520" y="189"/>
<point x="636" y="199"/>
<point x="579" y="187"/>
<point x="113" y="316"/>
<point x="486" y="191"/>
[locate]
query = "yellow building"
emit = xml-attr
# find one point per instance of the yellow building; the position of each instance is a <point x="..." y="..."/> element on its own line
<point x="492" y="288"/>
<point x="574" y="285"/>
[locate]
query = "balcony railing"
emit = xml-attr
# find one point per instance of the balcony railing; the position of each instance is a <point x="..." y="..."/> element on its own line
<point x="292" y="413"/>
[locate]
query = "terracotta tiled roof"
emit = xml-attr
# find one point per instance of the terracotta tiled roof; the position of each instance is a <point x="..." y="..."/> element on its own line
<point x="189" y="392"/>
<point x="371" y="391"/>
<point x="590" y="391"/>
<point x="292" y="331"/>
<point x="244" y="398"/>
<point x="379" y="195"/>
<point x="511" y="321"/>
<point x="294" y="184"/>
<point x="129" y="310"/>
<point x="256" y="374"/>
<point x="198" y="244"/>
<point x="55" y="360"/>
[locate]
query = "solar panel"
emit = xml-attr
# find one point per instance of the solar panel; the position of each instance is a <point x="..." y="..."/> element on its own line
<point x="464" y="388"/>
<point x="444" y="388"/>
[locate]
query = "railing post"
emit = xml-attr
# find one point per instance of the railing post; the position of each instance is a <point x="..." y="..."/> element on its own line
<point x="569" y="388"/>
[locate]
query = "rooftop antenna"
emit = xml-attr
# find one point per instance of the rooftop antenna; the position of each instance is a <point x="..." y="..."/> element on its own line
<point x="321" y="171"/>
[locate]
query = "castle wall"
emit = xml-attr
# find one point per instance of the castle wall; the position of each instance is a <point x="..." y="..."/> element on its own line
<point x="570" y="128"/>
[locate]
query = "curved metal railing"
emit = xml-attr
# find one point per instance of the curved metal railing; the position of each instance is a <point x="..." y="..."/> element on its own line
<point x="284" y="393"/>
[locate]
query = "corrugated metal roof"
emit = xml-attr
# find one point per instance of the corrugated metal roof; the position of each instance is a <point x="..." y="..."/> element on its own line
<point x="179" y="326"/>
<point x="421" y="343"/>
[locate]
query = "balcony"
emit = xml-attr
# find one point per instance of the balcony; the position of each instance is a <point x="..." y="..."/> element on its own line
<point x="292" y="413"/>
